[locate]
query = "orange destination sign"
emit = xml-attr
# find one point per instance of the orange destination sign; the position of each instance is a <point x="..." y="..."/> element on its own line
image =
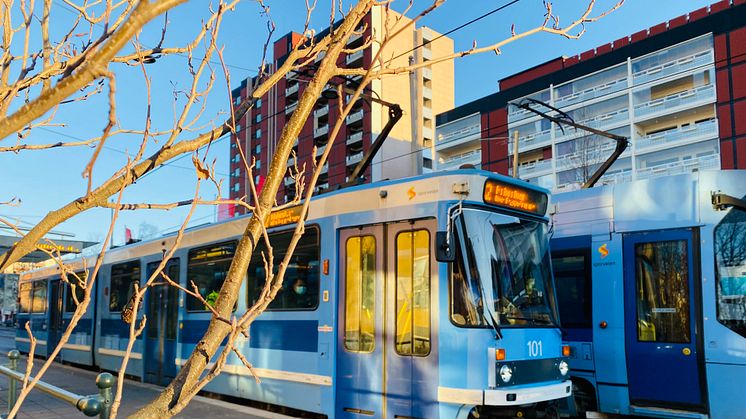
<point x="514" y="197"/>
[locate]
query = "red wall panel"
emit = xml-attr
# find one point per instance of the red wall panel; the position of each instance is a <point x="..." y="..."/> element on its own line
<point x="639" y="36"/>
<point x="721" y="51"/>
<point x="739" y="112"/>
<point x="531" y="74"/>
<point x="738" y="73"/>
<point x="726" y="154"/>
<point x="676" y="22"/>
<point x="719" y="6"/>
<point x="621" y="42"/>
<point x="724" y="122"/>
<point x="741" y="153"/>
<point x="738" y="46"/>
<point x="659" y="28"/>
<point x="723" y="86"/>
<point x="697" y="14"/>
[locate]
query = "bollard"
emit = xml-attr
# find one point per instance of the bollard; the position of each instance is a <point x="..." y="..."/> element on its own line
<point x="12" y="392"/>
<point x="105" y="382"/>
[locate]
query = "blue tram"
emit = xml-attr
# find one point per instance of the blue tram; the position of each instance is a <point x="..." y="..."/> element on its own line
<point x="421" y="298"/>
<point x="651" y="280"/>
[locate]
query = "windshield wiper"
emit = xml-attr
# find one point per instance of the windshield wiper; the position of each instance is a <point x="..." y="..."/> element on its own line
<point x="533" y="319"/>
<point x="491" y="321"/>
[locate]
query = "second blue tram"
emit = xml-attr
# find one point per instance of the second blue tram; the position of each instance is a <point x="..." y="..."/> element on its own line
<point x="416" y="298"/>
<point x="651" y="279"/>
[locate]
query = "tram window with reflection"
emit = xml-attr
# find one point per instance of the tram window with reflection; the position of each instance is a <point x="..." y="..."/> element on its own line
<point x="123" y="279"/>
<point x="574" y="294"/>
<point x="25" y="297"/>
<point x="730" y="258"/>
<point x="74" y="281"/>
<point x="208" y="267"/>
<point x="413" y="293"/>
<point x="502" y="274"/>
<point x="300" y="286"/>
<point x="360" y="294"/>
<point x="39" y="303"/>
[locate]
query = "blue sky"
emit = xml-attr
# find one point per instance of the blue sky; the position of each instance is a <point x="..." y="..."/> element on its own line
<point x="46" y="180"/>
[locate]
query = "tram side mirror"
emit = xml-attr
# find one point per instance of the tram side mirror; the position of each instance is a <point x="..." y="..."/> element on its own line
<point x="444" y="252"/>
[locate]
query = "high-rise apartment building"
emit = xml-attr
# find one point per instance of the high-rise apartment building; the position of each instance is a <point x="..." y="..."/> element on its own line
<point x="677" y="90"/>
<point x="408" y="149"/>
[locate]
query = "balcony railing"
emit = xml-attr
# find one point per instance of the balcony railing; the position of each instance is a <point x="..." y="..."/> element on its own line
<point x="428" y="133"/>
<point x="289" y="181"/>
<point x="355" y="138"/>
<point x="325" y="168"/>
<point x="291" y="108"/>
<point x="427" y="53"/>
<point x="591" y="93"/>
<point x="614" y="178"/>
<point x="320" y="56"/>
<point x="700" y="131"/>
<point x="292" y="89"/>
<point x="291" y="162"/>
<point x="598" y="122"/>
<point x="320" y="149"/>
<point x="689" y="98"/>
<point x="324" y="110"/>
<point x="534" y="140"/>
<point x="355" y="56"/>
<point x="354" y="117"/>
<point x="354" y="37"/>
<point x="673" y="67"/>
<point x="354" y="158"/>
<point x="533" y="169"/>
<point x="427" y="73"/>
<point x="323" y="130"/>
<point x="448" y="138"/>
<point x="454" y="162"/>
<point x="590" y="156"/>
<point x="427" y="112"/>
<point x="427" y="93"/>
<point x="682" y="166"/>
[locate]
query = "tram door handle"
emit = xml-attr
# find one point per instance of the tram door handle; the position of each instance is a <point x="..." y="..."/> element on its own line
<point x="686" y="351"/>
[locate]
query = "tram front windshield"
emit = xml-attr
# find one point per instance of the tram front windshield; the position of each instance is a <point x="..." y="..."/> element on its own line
<point x="504" y="272"/>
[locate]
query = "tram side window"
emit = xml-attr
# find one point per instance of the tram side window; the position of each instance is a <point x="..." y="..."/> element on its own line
<point x="662" y="297"/>
<point x="466" y="297"/>
<point x="571" y="274"/>
<point x="413" y="293"/>
<point x="730" y="259"/>
<point x="360" y="293"/>
<point x="300" y="287"/>
<point x="123" y="279"/>
<point x="25" y="296"/>
<point x="39" y="304"/>
<point x="70" y="304"/>
<point x="208" y="268"/>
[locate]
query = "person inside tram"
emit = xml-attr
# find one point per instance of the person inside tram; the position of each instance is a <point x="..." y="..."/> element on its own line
<point x="299" y="297"/>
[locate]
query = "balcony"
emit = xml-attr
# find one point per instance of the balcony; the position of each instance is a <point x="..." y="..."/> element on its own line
<point x="325" y="168"/>
<point x="458" y="132"/>
<point x="320" y="149"/>
<point x="427" y="112"/>
<point x="354" y="158"/>
<point x="354" y="117"/>
<point x="688" y="134"/>
<point x="531" y="141"/>
<point x="291" y="90"/>
<point x="427" y="53"/>
<point x="320" y="131"/>
<point x="291" y="108"/>
<point x="427" y="133"/>
<point x="533" y="169"/>
<point x="320" y="56"/>
<point x="614" y="178"/>
<point x="427" y="73"/>
<point x="354" y="38"/>
<point x="599" y="122"/>
<point x="682" y="166"/>
<point x="590" y="156"/>
<point x="591" y="93"/>
<point x="291" y="162"/>
<point x="673" y="67"/>
<point x="687" y="99"/>
<point x="454" y="162"/>
<point x="289" y="181"/>
<point x="324" y="110"/>
<point x="355" y="138"/>
<point x="427" y="93"/>
<point x="321" y="186"/>
<point x="354" y="57"/>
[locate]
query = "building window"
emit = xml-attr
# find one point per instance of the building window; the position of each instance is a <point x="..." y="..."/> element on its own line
<point x="238" y="128"/>
<point x="123" y="279"/>
<point x="257" y="149"/>
<point x="238" y="100"/>
<point x="360" y="294"/>
<point x="237" y="173"/>
<point x="412" y="335"/>
<point x="427" y="163"/>
<point x="258" y="164"/>
<point x="258" y="103"/>
<point x="258" y="134"/>
<point x="300" y="286"/>
<point x="207" y="268"/>
<point x="70" y="305"/>
<point x="236" y="187"/>
<point x="257" y="179"/>
<point x="258" y="118"/>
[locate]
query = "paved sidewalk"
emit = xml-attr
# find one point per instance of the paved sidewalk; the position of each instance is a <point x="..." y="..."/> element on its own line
<point x="41" y="406"/>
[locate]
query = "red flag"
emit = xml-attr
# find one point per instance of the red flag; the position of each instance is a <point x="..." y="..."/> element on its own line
<point x="127" y="235"/>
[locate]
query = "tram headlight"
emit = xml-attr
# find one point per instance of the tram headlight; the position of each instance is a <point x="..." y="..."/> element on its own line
<point x="506" y="373"/>
<point x="563" y="368"/>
